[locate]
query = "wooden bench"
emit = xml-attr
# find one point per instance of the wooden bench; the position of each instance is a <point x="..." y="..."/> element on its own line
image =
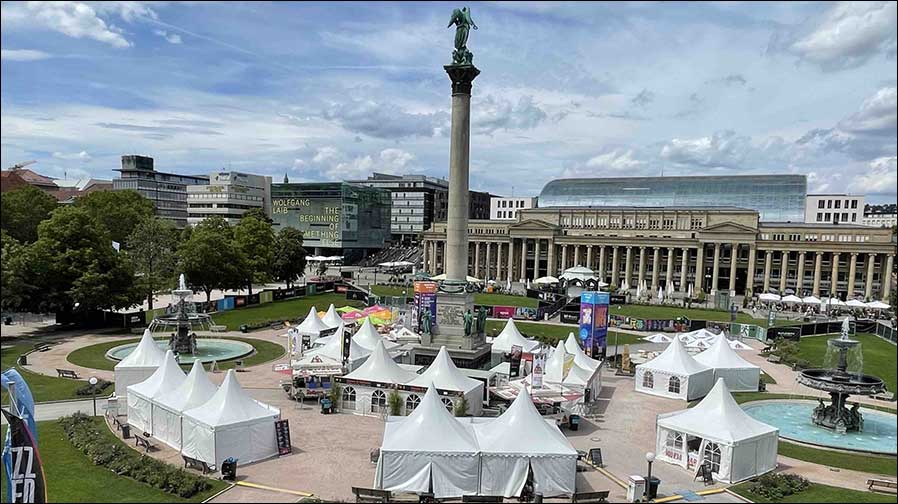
<point x="41" y="347"/>
<point x="143" y="442"/>
<point x="591" y="497"/>
<point x="218" y="328"/>
<point x="67" y="373"/>
<point x="775" y="359"/>
<point x="197" y="464"/>
<point x="370" y="495"/>
<point x="117" y="423"/>
<point x="885" y="396"/>
<point x="881" y="483"/>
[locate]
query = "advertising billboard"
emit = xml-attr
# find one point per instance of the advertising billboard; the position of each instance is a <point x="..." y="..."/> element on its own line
<point x="594" y="322"/>
<point x="425" y="300"/>
<point x="319" y="219"/>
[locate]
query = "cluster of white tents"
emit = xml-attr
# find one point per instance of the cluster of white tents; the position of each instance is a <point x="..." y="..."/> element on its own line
<point x="792" y="299"/>
<point x="138" y="365"/>
<point x="313" y="326"/>
<point x="700" y="339"/>
<point x="430" y="450"/>
<point x="676" y="374"/>
<point x="202" y="421"/>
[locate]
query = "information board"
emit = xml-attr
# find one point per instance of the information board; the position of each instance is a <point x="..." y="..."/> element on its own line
<point x="282" y="432"/>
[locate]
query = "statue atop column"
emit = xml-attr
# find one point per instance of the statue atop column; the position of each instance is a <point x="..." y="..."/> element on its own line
<point x="461" y="18"/>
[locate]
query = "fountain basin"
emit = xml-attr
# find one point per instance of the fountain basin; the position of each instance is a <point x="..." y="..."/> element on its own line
<point x="793" y="419"/>
<point x="829" y="380"/>
<point x="207" y="350"/>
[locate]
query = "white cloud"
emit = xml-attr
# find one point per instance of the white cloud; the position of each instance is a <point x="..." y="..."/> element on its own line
<point x="172" y="38"/>
<point x="865" y="134"/>
<point x="723" y="149"/>
<point x="82" y="156"/>
<point x="493" y="114"/>
<point x="23" y="55"/>
<point x="381" y="119"/>
<point x="326" y="154"/>
<point x="881" y="177"/>
<point x="77" y="20"/>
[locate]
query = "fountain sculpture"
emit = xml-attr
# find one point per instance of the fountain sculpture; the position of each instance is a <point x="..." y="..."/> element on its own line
<point x="181" y="318"/>
<point x="840" y="383"/>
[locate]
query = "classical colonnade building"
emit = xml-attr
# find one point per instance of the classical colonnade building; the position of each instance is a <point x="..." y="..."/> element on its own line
<point x="714" y="248"/>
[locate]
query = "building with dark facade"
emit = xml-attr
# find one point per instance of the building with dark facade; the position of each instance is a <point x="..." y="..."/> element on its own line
<point x="167" y="191"/>
<point x="416" y="201"/>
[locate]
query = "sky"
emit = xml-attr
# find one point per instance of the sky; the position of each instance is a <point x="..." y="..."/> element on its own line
<point x="338" y="91"/>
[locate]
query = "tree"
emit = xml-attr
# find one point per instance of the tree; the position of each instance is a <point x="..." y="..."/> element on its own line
<point x="11" y="284"/>
<point x="394" y="402"/>
<point x="289" y="256"/>
<point x="257" y="213"/>
<point x="72" y="267"/>
<point x="152" y="249"/>
<point x="209" y="259"/>
<point x="254" y="238"/>
<point x="23" y="209"/>
<point x="461" y="407"/>
<point x="118" y="211"/>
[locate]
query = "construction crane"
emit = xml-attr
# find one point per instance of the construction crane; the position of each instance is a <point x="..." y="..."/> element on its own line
<point x="18" y="166"/>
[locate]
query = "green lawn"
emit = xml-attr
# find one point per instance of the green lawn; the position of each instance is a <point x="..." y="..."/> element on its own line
<point x="71" y="477"/>
<point x="853" y="461"/>
<point x="879" y="355"/>
<point x="280" y="310"/>
<point x="94" y="356"/>
<point x="479" y="298"/>
<point x="43" y="388"/>
<point x="672" y="312"/>
<point x="818" y="493"/>
<point x="551" y="333"/>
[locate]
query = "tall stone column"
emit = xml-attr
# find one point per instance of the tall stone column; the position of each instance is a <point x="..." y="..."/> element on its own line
<point x="589" y="256"/>
<point x="734" y="262"/>
<point x="641" y="270"/>
<point x="524" y="259"/>
<point x="563" y="258"/>
<point x="768" y="261"/>
<point x="628" y="267"/>
<point x="576" y="261"/>
<point x="700" y="269"/>
<point x="656" y="268"/>
<point x="476" y="259"/>
<point x="684" y="271"/>
<point x="668" y="279"/>
<point x="602" y="263"/>
<point x="462" y="77"/>
<point x="852" y="272"/>
<point x="715" y="274"/>
<point x="499" y="275"/>
<point x="784" y="270"/>
<point x="615" y="267"/>
<point x="887" y="277"/>
<point x="818" y="264"/>
<point x="487" y="262"/>
<point x="834" y="282"/>
<point x="510" y="266"/>
<point x="868" y="287"/>
<point x="550" y="266"/>
<point x="536" y="251"/>
<point x="799" y="280"/>
<point x="750" y="274"/>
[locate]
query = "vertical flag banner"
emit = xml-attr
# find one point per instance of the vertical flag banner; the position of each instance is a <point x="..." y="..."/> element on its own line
<point x="539" y="368"/>
<point x="514" y="361"/>
<point x="22" y="468"/>
<point x="425" y="300"/>
<point x="594" y="321"/>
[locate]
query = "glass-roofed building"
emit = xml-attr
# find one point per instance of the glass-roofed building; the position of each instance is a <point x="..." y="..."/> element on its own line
<point x="777" y="198"/>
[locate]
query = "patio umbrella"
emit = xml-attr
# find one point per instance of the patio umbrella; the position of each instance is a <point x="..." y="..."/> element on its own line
<point x="690" y="293"/>
<point x="546" y="280"/>
<point x="658" y="338"/>
<point x="769" y="297"/>
<point x="878" y="305"/>
<point x="836" y="302"/>
<point x="792" y="299"/>
<point x="811" y="300"/>
<point x="660" y="294"/>
<point x="856" y="303"/>
<point x="528" y="283"/>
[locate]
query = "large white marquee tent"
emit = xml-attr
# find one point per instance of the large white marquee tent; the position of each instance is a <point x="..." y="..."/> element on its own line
<point x="718" y="431"/>
<point x="169" y="405"/>
<point x="332" y="319"/>
<point x="511" y="336"/>
<point x="311" y="326"/>
<point x="675" y="374"/>
<point x="444" y="375"/>
<point x="333" y="350"/>
<point x="138" y="365"/>
<point x="230" y="424"/>
<point x="141" y="396"/>
<point x="367" y="337"/>
<point x="739" y="374"/>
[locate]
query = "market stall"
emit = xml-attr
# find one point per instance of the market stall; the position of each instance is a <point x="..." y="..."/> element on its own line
<point x="675" y="374"/>
<point x="141" y="395"/>
<point x="739" y="374"/>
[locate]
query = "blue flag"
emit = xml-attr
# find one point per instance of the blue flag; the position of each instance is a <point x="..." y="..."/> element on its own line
<point x="20" y="445"/>
<point x="24" y="401"/>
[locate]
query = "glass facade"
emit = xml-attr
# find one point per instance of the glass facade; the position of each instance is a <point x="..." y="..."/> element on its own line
<point x="777" y="198"/>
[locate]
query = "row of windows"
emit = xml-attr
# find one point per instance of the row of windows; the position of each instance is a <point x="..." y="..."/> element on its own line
<point x="617" y="222"/>
<point x="834" y="217"/>
<point x="673" y="383"/>
<point x="510" y="204"/>
<point x="233" y="196"/>
<point x="505" y="214"/>
<point x="836" y="204"/>
<point x="814" y="237"/>
<point x="379" y="401"/>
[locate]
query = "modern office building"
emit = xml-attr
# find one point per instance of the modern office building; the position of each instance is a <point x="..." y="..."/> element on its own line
<point x="228" y="195"/>
<point x="336" y="218"/>
<point x="416" y="200"/>
<point x="715" y="249"/>
<point x="880" y="215"/>
<point x="777" y="198"/>
<point x="507" y="208"/>
<point x="479" y="205"/>
<point x="834" y="209"/>
<point x="167" y="191"/>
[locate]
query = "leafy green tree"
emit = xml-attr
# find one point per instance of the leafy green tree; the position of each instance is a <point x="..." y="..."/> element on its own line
<point x="209" y="259"/>
<point x="72" y="267"/>
<point x="254" y="238"/>
<point x="152" y="248"/>
<point x="118" y="211"/>
<point x="461" y="407"/>
<point x="257" y="213"/>
<point x="11" y="284"/>
<point x="23" y="209"/>
<point x="289" y="256"/>
<point x="394" y="403"/>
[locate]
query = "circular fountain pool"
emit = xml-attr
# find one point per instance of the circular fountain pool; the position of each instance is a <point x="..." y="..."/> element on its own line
<point x="793" y="419"/>
<point x="207" y="350"/>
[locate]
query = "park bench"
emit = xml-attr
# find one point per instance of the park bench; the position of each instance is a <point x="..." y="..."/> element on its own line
<point x="482" y="498"/>
<point x="197" y="464"/>
<point x="143" y="442"/>
<point x="881" y="483"/>
<point x="218" y="328"/>
<point x="41" y="347"/>
<point x="775" y="359"/>
<point x="117" y="423"/>
<point x="885" y="396"/>
<point x="370" y="495"/>
<point x="591" y="497"/>
<point x="67" y="373"/>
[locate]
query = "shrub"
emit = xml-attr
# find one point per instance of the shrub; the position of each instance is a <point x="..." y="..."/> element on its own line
<point x="461" y="407"/>
<point x="394" y="401"/>
<point x="775" y="487"/>
<point x="85" y="435"/>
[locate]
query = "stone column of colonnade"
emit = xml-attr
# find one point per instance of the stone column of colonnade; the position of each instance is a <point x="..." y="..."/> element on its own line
<point x="768" y="261"/>
<point x="656" y="268"/>
<point x="818" y="264"/>
<point x="536" y="251"/>
<point x="784" y="270"/>
<point x="589" y="256"/>
<point x="868" y="287"/>
<point x="476" y="272"/>
<point x="550" y="265"/>
<point x="887" y="277"/>
<point x="576" y="261"/>
<point x="668" y="275"/>
<point x="615" y="267"/>
<point x="750" y="274"/>
<point x="799" y="280"/>
<point x="563" y="258"/>
<point x="700" y="269"/>
<point x="628" y="266"/>
<point x="715" y="274"/>
<point x="734" y="262"/>
<point x="524" y="259"/>
<point x="499" y="275"/>
<point x="684" y="271"/>
<point x="509" y="275"/>
<point x="852" y="272"/>
<point x="834" y="281"/>
<point x="601" y="266"/>
<point x="487" y="261"/>
<point x="641" y="271"/>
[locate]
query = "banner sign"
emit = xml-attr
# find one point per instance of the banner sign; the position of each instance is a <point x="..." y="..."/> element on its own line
<point x="515" y="312"/>
<point x="425" y="300"/>
<point x="514" y="369"/>
<point x="539" y="367"/>
<point x="347" y="341"/>
<point x="594" y="322"/>
<point x="668" y="325"/>
<point x="22" y="469"/>
<point x="282" y="433"/>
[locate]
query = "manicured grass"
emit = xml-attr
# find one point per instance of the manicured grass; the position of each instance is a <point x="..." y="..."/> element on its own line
<point x="879" y="355"/>
<point x="672" y="312"/>
<point x="94" y="356"/>
<point x="480" y="298"/>
<point x="43" y="388"/>
<point x="853" y="461"/>
<point x="551" y="333"/>
<point x="72" y="477"/>
<point x="818" y="493"/>
<point x="280" y="310"/>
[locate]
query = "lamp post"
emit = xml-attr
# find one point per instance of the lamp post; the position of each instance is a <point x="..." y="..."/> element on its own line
<point x="93" y="385"/>
<point x="649" y="457"/>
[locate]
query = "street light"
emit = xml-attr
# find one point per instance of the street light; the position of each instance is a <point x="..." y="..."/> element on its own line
<point x="93" y="385"/>
<point x="649" y="457"/>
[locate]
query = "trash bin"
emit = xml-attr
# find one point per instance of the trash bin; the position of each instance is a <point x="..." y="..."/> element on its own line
<point x="244" y="328"/>
<point x="229" y="469"/>
<point x="652" y="487"/>
<point x="126" y="431"/>
<point x="574" y="422"/>
<point x="635" y="488"/>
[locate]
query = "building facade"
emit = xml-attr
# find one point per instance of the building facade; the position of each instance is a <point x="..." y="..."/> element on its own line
<point x="881" y="215"/>
<point x="416" y="201"/>
<point x="336" y="218"/>
<point x="777" y="198"/>
<point x="714" y="249"/>
<point x="507" y="208"/>
<point x="834" y="209"/>
<point x="167" y="191"/>
<point x="228" y="195"/>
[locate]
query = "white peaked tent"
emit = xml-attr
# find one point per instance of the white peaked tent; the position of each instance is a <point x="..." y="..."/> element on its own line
<point x="519" y="440"/>
<point x="429" y="450"/>
<point x="168" y="406"/>
<point x="744" y="446"/>
<point x="230" y="424"/>
<point x="141" y="395"/>
<point x="367" y="337"/>
<point x="509" y="337"/>
<point x="311" y="326"/>
<point x="675" y="374"/>
<point x="572" y="346"/>
<point x="658" y="338"/>
<point x="739" y="374"/>
<point x="138" y="365"/>
<point x="381" y="368"/>
<point x="557" y="364"/>
<point x="332" y="319"/>
<point x="333" y="350"/>
<point x="444" y="375"/>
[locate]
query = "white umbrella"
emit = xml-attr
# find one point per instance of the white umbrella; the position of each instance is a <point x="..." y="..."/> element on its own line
<point x="856" y="303"/>
<point x="811" y="300"/>
<point x="836" y="302"/>
<point x="660" y="294"/>
<point x="878" y="305"/>
<point x="658" y="338"/>
<point x="738" y="345"/>
<point x="578" y="273"/>
<point x="691" y="292"/>
<point x="508" y="285"/>
<point x="528" y="283"/>
<point x="791" y="299"/>
<point x="769" y="297"/>
<point x="546" y="280"/>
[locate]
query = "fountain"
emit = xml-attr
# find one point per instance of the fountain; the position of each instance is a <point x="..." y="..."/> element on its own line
<point x="840" y="383"/>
